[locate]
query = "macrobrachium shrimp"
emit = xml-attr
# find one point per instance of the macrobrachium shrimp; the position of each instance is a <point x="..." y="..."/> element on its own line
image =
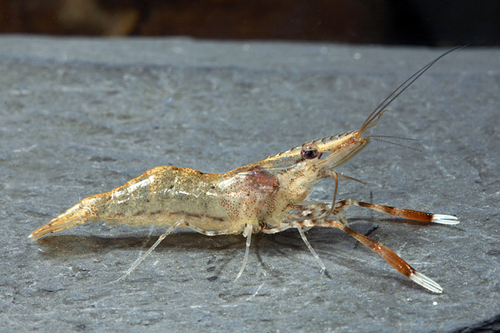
<point x="267" y="196"/>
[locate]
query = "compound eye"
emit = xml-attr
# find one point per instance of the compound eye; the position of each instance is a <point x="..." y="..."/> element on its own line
<point x="310" y="151"/>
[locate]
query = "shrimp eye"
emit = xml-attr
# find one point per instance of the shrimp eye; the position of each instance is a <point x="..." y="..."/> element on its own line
<point x="310" y="151"/>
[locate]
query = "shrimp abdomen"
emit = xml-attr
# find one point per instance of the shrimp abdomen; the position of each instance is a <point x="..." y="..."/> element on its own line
<point x="161" y="196"/>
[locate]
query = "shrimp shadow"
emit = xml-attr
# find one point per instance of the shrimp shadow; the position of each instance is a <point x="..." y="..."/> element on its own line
<point x="333" y="246"/>
<point x="220" y="251"/>
<point x="57" y="245"/>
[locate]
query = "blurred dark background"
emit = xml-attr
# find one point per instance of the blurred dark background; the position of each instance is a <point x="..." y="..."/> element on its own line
<point x="426" y="22"/>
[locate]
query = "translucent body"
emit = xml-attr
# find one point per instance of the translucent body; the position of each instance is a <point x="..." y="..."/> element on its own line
<point x="267" y="196"/>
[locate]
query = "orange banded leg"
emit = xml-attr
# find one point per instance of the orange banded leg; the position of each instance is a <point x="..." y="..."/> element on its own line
<point x="315" y="210"/>
<point x="387" y="254"/>
<point x="399" y="212"/>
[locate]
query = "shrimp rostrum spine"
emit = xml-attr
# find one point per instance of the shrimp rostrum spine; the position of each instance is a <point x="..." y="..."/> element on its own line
<point x="267" y="196"/>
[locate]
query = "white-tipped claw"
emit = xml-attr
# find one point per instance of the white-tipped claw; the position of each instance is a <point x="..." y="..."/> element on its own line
<point x="444" y="219"/>
<point x="425" y="282"/>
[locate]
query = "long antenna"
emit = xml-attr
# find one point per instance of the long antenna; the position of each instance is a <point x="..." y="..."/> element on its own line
<point x="379" y="110"/>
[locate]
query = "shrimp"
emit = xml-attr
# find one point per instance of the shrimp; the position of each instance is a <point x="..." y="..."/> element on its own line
<point x="268" y="196"/>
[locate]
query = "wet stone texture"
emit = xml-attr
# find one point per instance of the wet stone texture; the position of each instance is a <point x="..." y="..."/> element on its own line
<point x="82" y="116"/>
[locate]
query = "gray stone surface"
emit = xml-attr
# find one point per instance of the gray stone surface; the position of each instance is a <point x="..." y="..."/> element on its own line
<point x="82" y="116"/>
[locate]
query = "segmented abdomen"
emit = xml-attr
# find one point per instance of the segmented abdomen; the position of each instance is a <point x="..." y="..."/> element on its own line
<point x="162" y="196"/>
